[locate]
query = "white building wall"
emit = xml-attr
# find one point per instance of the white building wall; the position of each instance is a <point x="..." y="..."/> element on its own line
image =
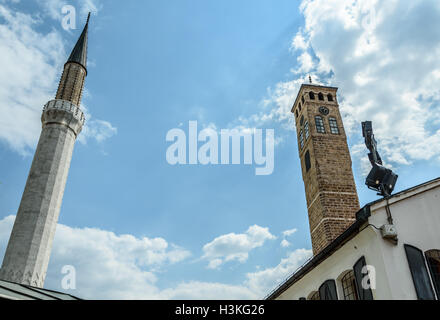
<point x="364" y="244"/>
<point x="416" y="215"/>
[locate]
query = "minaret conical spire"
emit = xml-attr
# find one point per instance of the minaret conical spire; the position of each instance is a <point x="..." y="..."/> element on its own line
<point x="79" y="52"/>
<point x="75" y="70"/>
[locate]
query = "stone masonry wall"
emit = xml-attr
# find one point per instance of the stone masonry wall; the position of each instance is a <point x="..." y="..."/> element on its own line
<point x="331" y="194"/>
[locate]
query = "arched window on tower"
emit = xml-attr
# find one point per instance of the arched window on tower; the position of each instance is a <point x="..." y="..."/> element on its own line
<point x="299" y="105"/>
<point x="433" y="259"/>
<point x="297" y="113"/>
<point x="329" y="97"/>
<point x="348" y="283"/>
<point x="319" y="123"/>
<point x="307" y="161"/>
<point x="301" y="139"/>
<point x="306" y="130"/>
<point x="334" y="129"/>
<point x="320" y="96"/>
<point x="302" y="99"/>
<point x="311" y="95"/>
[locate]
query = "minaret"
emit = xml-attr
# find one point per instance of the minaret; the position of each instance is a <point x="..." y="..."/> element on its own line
<point x="331" y="195"/>
<point x="28" y="252"/>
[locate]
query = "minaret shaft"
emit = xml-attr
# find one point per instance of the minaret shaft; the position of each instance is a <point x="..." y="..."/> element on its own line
<point x="28" y="252"/>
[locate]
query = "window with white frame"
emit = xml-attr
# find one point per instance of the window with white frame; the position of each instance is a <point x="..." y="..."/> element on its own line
<point x="306" y="130"/>
<point x="334" y="129"/>
<point x="319" y="123"/>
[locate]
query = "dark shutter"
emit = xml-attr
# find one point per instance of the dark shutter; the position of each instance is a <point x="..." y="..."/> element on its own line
<point x="419" y="273"/>
<point x="327" y="291"/>
<point x="363" y="294"/>
<point x="307" y="161"/>
<point x="433" y="259"/>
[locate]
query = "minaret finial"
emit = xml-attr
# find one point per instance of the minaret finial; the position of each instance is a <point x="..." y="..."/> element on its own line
<point x="79" y="52"/>
<point x="310" y="78"/>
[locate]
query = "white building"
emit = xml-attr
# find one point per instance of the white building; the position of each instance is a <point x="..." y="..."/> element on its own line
<point x="408" y="269"/>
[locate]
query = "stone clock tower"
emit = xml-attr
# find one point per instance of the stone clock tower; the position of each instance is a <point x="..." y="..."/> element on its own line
<point x="28" y="252"/>
<point x="332" y="200"/>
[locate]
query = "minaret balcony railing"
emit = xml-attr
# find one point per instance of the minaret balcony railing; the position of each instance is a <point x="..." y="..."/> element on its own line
<point x="65" y="105"/>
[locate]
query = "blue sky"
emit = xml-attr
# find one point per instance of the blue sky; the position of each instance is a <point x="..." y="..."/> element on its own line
<point x="132" y="225"/>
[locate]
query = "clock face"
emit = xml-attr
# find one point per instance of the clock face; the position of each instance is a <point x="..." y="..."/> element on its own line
<point x="324" y="110"/>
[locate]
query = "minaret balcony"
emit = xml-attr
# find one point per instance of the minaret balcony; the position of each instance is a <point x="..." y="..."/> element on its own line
<point x="65" y="113"/>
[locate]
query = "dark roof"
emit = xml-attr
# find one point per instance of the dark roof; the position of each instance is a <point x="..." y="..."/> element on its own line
<point x="361" y="217"/>
<point x="79" y="52"/>
<point x="16" y="291"/>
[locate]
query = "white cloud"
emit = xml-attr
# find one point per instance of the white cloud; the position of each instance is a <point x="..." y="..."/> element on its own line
<point x="99" y="130"/>
<point x="208" y="291"/>
<point x="111" y="266"/>
<point x="383" y="57"/>
<point x="27" y="79"/>
<point x="108" y="266"/>
<point x="30" y="66"/>
<point x="5" y="231"/>
<point x="299" y="42"/>
<point x="285" y="243"/>
<point x="215" y="263"/>
<point x="232" y="246"/>
<point x="257" y="284"/>
<point x="289" y="232"/>
<point x="305" y="61"/>
<point x="262" y="282"/>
